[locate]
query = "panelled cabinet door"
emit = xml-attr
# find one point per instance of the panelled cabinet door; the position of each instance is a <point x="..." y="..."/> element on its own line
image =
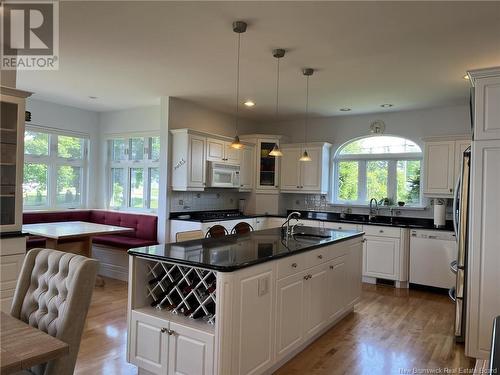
<point x="315" y="299"/>
<point x="191" y="351"/>
<point x="310" y="172"/>
<point x="231" y="155"/>
<point x="439" y="167"/>
<point x="381" y="257"/>
<point x="215" y="149"/>
<point x="338" y="285"/>
<point x="247" y="168"/>
<point x="197" y="163"/>
<point x="355" y="267"/>
<point x="149" y="345"/>
<point x="290" y="176"/>
<point x="487" y="110"/>
<point x="289" y="314"/>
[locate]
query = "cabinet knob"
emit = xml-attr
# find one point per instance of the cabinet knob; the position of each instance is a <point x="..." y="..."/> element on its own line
<point x="331" y="267"/>
<point x="451" y="190"/>
<point x="170" y="332"/>
<point x="306" y="277"/>
<point x="294" y="265"/>
<point x="340" y="227"/>
<point x="163" y="330"/>
<point x="276" y="186"/>
<point x="298" y="187"/>
<point x="381" y="231"/>
<point x="320" y="256"/>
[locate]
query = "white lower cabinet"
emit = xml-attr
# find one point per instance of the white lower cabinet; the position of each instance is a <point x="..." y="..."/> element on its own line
<point x="163" y="347"/>
<point x="315" y="300"/>
<point x="381" y="257"/>
<point x="337" y="286"/>
<point x="289" y="311"/>
<point x="12" y="252"/>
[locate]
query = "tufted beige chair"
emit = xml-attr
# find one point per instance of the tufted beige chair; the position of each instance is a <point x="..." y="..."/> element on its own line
<point x="53" y="294"/>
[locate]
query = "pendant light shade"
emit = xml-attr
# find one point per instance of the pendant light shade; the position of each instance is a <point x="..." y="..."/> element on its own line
<point x="236" y="144"/>
<point x="276" y="151"/>
<point x="305" y="156"/>
<point x="278" y="54"/>
<point x="307" y="72"/>
<point x="239" y="27"/>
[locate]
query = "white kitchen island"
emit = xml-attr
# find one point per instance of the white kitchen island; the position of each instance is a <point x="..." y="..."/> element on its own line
<point x="258" y="299"/>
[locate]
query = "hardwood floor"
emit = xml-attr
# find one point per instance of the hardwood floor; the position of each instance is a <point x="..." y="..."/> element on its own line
<point x="390" y="331"/>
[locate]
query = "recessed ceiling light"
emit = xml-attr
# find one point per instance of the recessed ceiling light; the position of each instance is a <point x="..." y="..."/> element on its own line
<point x="466" y="76"/>
<point x="387" y="105"/>
<point x="250" y="103"/>
<point x="92" y="97"/>
<point x="345" y="109"/>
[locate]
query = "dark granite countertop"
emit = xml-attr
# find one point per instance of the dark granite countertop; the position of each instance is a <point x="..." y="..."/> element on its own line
<point x="397" y="221"/>
<point x="234" y="252"/>
<point x="13" y="234"/>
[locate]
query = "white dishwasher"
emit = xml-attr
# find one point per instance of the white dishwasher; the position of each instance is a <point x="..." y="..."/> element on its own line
<point x="431" y="253"/>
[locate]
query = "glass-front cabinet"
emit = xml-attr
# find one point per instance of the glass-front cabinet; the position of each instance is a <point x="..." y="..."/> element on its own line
<point x="11" y="158"/>
<point x="267" y="166"/>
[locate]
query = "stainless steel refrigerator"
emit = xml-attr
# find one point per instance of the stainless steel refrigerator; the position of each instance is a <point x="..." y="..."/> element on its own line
<point x="458" y="293"/>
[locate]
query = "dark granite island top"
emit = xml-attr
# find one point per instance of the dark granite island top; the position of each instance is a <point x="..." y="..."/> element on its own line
<point x="234" y="252"/>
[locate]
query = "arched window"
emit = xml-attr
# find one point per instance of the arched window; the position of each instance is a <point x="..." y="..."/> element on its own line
<point x="378" y="167"/>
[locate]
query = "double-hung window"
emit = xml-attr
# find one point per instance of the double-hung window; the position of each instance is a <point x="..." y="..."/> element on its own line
<point x="55" y="169"/>
<point x="380" y="167"/>
<point x="134" y="175"/>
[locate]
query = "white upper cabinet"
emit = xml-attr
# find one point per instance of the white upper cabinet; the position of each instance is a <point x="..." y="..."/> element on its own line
<point x="487" y="108"/>
<point x="247" y="168"/>
<point x="188" y="161"/>
<point x="310" y="177"/>
<point x="442" y="166"/>
<point x="221" y="151"/>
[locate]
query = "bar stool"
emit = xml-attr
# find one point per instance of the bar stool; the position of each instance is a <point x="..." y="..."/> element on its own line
<point x="242" y="228"/>
<point x="216" y="231"/>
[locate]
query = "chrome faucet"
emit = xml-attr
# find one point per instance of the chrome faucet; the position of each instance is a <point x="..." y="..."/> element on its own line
<point x="293" y="215"/>
<point x="373" y="212"/>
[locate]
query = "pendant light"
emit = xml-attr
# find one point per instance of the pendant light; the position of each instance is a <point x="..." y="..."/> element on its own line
<point x="307" y="72"/>
<point x="278" y="54"/>
<point x="239" y="27"/>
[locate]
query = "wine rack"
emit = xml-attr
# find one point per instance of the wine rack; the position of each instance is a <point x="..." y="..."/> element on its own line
<point x="183" y="290"/>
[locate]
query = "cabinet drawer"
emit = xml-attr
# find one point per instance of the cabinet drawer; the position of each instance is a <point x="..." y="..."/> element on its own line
<point x="11" y="246"/>
<point x="315" y="257"/>
<point x="341" y="226"/>
<point x="290" y="265"/>
<point x="376" y="230"/>
<point x="10" y="266"/>
<point x="6" y="297"/>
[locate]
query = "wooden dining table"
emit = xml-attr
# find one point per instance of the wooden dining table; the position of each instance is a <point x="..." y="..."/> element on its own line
<point x="23" y="346"/>
<point x="73" y="236"/>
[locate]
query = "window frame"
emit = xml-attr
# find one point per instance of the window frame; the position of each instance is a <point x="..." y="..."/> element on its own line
<point x="146" y="164"/>
<point x="392" y="160"/>
<point x="53" y="161"/>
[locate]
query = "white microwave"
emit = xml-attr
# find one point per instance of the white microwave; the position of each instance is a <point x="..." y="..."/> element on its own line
<point x="223" y="175"/>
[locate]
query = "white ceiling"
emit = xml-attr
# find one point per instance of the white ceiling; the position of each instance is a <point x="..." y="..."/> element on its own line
<point x="411" y="54"/>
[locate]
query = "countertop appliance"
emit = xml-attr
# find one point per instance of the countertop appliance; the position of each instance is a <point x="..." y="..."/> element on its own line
<point x="458" y="293"/>
<point x="223" y="175"/>
<point x="430" y="255"/>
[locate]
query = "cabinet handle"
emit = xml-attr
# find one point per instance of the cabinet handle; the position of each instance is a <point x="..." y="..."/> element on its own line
<point x="320" y="256"/>
<point x="294" y="265"/>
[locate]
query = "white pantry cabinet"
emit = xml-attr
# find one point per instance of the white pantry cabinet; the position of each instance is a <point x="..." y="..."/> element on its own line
<point x="167" y="348"/>
<point x="221" y="151"/>
<point x="486" y="105"/>
<point x="442" y="158"/>
<point x="305" y="177"/>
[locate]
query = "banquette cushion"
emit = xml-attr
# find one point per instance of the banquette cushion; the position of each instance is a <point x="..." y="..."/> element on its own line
<point x="144" y="234"/>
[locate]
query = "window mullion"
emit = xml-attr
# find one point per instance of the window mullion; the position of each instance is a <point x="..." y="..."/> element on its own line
<point x="392" y="178"/>
<point x="362" y="188"/>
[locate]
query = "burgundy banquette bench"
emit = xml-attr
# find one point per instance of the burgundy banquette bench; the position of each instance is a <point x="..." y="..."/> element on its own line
<point x="144" y="234"/>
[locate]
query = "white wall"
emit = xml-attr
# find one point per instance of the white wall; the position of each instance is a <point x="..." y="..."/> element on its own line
<point x="185" y="114"/>
<point x="51" y="115"/>
<point x="413" y="125"/>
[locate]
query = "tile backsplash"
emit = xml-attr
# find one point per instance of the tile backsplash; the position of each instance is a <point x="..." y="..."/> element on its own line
<point x="320" y="203"/>
<point x="204" y="200"/>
